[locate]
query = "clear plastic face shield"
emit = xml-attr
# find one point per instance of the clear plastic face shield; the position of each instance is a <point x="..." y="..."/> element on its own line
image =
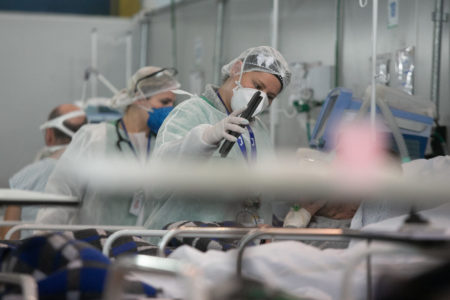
<point x="157" y="82"/>
<point x="58" y="122"/>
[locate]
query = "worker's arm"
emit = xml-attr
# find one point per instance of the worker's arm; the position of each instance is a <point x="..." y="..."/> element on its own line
<point x="12" y="213"/>
<point x="191" y="144"/>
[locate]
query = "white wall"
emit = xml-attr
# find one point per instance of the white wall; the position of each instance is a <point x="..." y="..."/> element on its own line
<point x="42" y="57"/>
<point x="307" y="34"/>
<point x="415" y="28"/>
<point x="42" y="60"/>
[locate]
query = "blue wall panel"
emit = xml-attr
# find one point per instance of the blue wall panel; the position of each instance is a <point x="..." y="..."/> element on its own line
<point x="89" y="7"/>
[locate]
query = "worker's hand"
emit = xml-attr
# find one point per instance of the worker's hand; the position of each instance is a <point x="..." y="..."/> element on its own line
<point x="221" y="130"/>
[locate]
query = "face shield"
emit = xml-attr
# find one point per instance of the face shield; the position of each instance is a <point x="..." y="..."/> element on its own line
<point x="155" y="83"/>
<point x="58" y="122"/>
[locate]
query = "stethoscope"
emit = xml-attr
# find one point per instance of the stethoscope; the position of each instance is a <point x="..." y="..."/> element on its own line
<point x="121" y="139"/>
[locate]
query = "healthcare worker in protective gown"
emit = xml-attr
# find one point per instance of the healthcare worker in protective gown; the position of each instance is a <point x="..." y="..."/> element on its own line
<point x="146" y="102"/>
<point x="197" y="126"/>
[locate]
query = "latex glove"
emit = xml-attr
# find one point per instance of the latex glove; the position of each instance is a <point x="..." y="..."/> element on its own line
<point x="297" y="218"/>
<point x="219" y="131"/>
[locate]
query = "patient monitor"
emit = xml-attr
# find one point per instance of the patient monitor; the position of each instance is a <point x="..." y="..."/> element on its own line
<point x="413" y="116"/>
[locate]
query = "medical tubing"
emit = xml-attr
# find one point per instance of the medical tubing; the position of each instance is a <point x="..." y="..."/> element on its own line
<point x="363" y="109"/>
<point x="287" y="114"/>
<point x="247" y="114"/>
<point x="308" y="130"/>
<point x="442" y="141"/>
<point x="391" y="122"/>
<point x="395" y="130"/>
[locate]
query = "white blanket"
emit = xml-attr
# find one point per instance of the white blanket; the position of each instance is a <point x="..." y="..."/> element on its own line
<point x="300" y="269"/>
<point x="425" y="170"/>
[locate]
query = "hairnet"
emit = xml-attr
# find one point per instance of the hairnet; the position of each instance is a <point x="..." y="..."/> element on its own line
<point x="146" y="82"/>
<point x="262" y="59"/>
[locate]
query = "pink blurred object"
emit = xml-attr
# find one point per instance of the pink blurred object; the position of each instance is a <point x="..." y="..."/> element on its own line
<point x="360" y="153"/>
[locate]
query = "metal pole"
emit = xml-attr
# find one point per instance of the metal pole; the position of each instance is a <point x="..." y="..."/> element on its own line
<point x="107" y="83"/>
<point x="26" y="282"/>
<point x="94" y="61"/>
<point x="274" y="43"/>
<point x="438" y="19"/>
<point x="337" y="51"/>
<point x="128" y="57"/>
<point x="369" y="274"/>
<point x="374" y="62"/>
<point x="174" y="33"/>
<point x="144" y="44"/>
<point x="218" y="42"/>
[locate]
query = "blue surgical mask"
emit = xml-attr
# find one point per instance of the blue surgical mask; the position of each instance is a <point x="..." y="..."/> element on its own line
<point x="156" y="117"/>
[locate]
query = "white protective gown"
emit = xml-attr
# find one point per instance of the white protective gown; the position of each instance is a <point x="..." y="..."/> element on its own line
<point x="94" y="141"/>
<point x="180" y="136"/>
<point x="33" y="177"/>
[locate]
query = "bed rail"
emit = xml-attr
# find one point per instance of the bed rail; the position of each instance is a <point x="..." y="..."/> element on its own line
<point x="61" y="227"/>
<point x="156" y="265"/>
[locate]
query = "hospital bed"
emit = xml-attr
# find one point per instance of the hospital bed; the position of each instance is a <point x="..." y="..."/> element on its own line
<point x="417" y="244"/>
<point x="164" y="266"/>
<point x="26" y="282"/>
<point x="51" y="227"/>
<point x="239" y="233"/>
<point x="28" y="285"/>
<point x="410" y="244"/>
<point x="20" y="197"/>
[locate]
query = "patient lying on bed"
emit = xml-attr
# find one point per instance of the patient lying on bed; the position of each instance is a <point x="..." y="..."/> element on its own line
<point x="307" y="271"/>
<point x="317" y="214"/>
